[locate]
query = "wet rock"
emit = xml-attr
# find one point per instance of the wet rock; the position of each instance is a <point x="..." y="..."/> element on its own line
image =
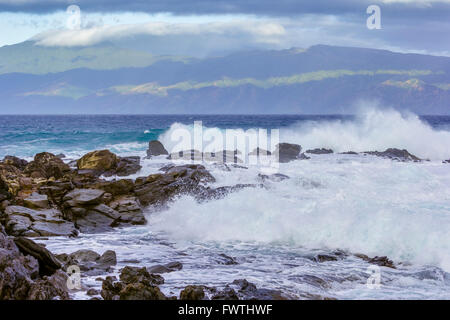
<point x="156" y="148"/>
<point x="248" y="291"/>
<point x="92" y="292"/>
<point x="350" y="152"/>
<point x="100" y="161"/>
<point x="159" y="188"/>
<point x="446" y="161"/>
<point x="193" y="293"/>
<point x="226" y="260"/>
<point x="52" y="287"/>
<point x="319" y="151"/>
<point x="226" y="294"/>
<point x="128" y="166"/>
<point x="395" y="154"/>
<point x="379" y="261"/>
<point x="46" y="165"/>
<point x="170" y="267"/>
<point x="36" y="201"/>
<point x="130" y="275"/>
<point x="333" y="256"/>
<point x="303" y="156"/>
<point x="90" y="262"/>
<point x="276" y="177"/>
<point x="203" y="194"/>
<point x="16" y="162"/>
<point x="116" y="187"/>
<point x="48" y="264"/>
<point x="135" y="284"/>
<point x="287" y="152"/>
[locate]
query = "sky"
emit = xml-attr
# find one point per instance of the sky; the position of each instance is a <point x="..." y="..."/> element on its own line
<point x="208" y="27"/>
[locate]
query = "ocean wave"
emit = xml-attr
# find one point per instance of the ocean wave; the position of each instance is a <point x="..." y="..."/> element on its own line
<point x="371" y="130"/>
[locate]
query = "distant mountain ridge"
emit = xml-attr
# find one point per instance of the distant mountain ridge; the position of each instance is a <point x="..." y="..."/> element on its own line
<point x="320" y="79"/>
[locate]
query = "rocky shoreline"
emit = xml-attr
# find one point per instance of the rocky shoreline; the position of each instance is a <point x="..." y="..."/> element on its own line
<point x="48" y="197"/>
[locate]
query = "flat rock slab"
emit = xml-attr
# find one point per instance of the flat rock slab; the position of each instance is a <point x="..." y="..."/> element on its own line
<point x="36" y="201"/>
<point x="84" y="197"/>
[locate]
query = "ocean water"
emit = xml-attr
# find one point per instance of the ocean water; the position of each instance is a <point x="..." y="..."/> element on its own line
<point x="355" y="203"/>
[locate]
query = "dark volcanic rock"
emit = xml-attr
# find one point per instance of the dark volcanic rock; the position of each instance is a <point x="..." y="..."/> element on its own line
<point x="48" y="264"/>
<point x="16" y="162"/>
<point x="248" y="291"/>
<point x="380" y="261"/>
<point x="170" y="267"/>
<point x="287" y="152"/>
<point x="159" y="188"/>
<point x="32" y="223"/>
<point x="319" y="151"/>
<point x="193" y="293"/>
<point x="128" y="166"/>
<point x="4" y="190"/>
<point x="276" y="177"/>
<point x="156" y="148"/>
<point x="90" y="262"/>
<point x="46" y="165"/>
<point x="135" y="284"/>
<point x="395" y="154"/>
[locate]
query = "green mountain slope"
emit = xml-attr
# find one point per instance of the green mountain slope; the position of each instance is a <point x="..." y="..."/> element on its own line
<point x="29" y="58"/>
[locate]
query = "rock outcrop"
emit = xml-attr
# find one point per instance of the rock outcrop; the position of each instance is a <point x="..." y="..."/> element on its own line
<point x="319" y="151"/>
<point x="395" y="154"/>
<point x="156" y="148"/>
<point x="135" y="284"/>
<point x="46" y="165"/>
<point x="104" y="162"/>
<point x="25" y="277"/>
<point x="22" y="221"/>
<point x="90" y="262"/>
<point x="157" y="189"/>
<point x="287" y="152"/>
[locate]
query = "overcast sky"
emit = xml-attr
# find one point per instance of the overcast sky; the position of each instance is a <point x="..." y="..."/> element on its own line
<point x="204" y="27"/>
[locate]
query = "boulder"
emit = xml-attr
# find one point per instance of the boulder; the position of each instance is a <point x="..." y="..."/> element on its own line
<point x="287" y="152"/>
<point x="193" y="293"/>
<point x="379" y="261"/>
<point x="128" y="166"/>
<point x="20" y="273"/>
<point x="46" y="165"/>
<point x="16" y="162"/>
<point x="135" y="284"/>
<point x="395" y="154"/>
<point x="170" y="267"/>
<point x="248" y="291"/>
<point x="48" y="264"/>
<point x="319" y="151"/>
<point x="100" y="161"/>
<point x="36" y="201"/>
<point x="90" y="262"/>
<point x="84" y="197"/>
<point x="156" y="148"/>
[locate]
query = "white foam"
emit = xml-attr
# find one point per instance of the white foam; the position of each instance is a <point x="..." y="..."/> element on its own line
<point x="372" y="130"/>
